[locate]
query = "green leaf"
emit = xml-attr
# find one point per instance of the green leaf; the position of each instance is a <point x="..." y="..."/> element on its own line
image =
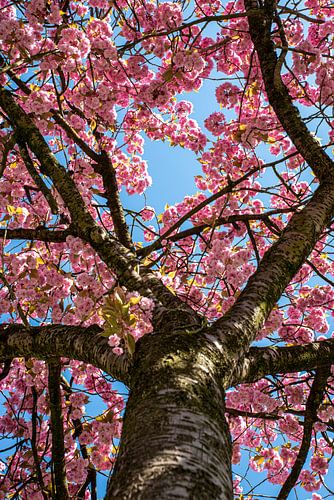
<point x="107" y="332"/>
<point x="125" y="310"/>
<point x="131" y="343"/>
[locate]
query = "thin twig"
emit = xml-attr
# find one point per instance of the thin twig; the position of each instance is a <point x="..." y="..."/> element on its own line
<point x="37" y="178"/>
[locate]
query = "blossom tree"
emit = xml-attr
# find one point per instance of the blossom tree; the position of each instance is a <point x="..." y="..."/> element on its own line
<point x="216" y="313"/>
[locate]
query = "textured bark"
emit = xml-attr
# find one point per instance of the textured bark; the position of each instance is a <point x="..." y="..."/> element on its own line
<point x="74" y="342"/>
<point x="262" y="361"/>
<point x="33" y="441"/>
<point x="27" y="132"/>
<point x="239" y="327"/>
<point x="278" y="95"/>
<point x="37" y="234"/>
<point x="37" y="179"/>
<point x="107" y="171"/>
<point x="175" y="442"/>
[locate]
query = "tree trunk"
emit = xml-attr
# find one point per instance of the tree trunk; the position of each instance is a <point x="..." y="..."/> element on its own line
<point x="175" y="441"/>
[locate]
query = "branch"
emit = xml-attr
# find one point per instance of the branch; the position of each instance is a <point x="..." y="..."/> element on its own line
<point x="278" y="94"/>
<point x="72" y="134"/>
<point x="316" y="270"/>
<point x="25" y="61"/>
<point x="253" y="241"/>
<point x="6" y="369"/>
<point x="12" y="296"/>
<point x="185" y="26"/>
<point x="74" y="342"/>
<point x="8" y="145"/>
<point x="105" y="168"/>
<point x="78" y="429"/>
<point x="312" y="404"/>
<point x="90" y="480"/>
<point x="57" y="430"/>
<point x="296" y="13"/>
<point x="238" y="328"/>
<point x="249" y="414"/>
<point x="36" y="178"/>
<point x="303" y="52"/>
<point x="230" y="219"/>
<point x="227" y="189"/>
<point x="262" y="361"/>
<point x="38" y="234"/>
<point x="34" y="448"/>
<point x="26" y="131"/>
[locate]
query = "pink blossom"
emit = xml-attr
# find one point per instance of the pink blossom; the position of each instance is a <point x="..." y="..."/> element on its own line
<point x="118" y="351"/>
<point x="114" y="341"/>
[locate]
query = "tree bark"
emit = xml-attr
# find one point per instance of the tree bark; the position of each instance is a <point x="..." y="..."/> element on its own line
<point x="175" y="441"/>
<point x="73" y="342"/>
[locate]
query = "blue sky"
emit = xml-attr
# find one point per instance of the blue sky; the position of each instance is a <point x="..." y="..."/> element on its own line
<point x="173" y="168"/>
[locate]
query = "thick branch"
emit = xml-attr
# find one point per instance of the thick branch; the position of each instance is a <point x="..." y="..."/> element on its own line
<point x="278" y="94"/>
<point x="103" y="166"/>
<point x="312" y="404"/>
<point x="37" y="234"/>
<point x="6" y="369"/>
<point x="57" y="429"/>
<point x="8" y="145"/>
<point x="239" y="327"/>
<point x="74" y="342"/>
<point x="262" y="361"/>
<point x="27" y="131"/>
